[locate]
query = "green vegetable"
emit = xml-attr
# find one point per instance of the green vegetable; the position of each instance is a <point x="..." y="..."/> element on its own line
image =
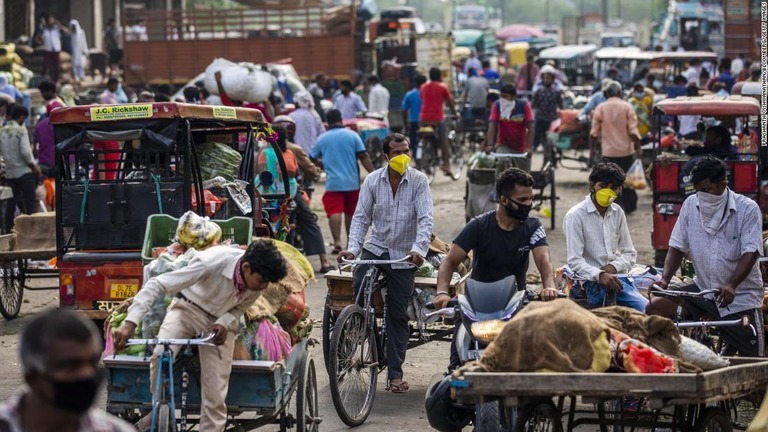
<point x="218" y="159"/>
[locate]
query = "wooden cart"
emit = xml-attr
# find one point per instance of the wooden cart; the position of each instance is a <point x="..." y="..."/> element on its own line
<point x="15" y="270"/>
<point x="685" y="401"/>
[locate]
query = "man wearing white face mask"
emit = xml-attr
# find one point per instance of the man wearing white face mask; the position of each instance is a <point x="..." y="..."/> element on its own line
<point x="397" y="201"/>
<point x="721" y="232"/>
<point x="597" y="241"/>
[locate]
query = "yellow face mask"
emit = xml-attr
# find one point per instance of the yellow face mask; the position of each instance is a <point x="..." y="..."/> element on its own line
<point x="605" y="197"/>
<point x="400" y="163"/>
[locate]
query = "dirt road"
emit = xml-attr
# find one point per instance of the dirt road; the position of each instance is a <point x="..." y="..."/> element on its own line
<point x="393" y="412"/>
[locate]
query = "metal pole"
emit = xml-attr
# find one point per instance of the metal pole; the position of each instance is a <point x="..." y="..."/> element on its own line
<point x="604" y="10"/>
<point x="618" y="8"/>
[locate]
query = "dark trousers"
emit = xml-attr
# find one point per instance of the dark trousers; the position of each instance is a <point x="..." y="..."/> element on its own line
<point x="399" y="292"/>
<point x="413" y="135"/>
<point x="52" y="65"/>
<point x="306" y="221"/>
<point x="540" y="133"/>
<point x="739" y="339"/>
<point x="628" y="198"/>
<point x="23" y="196"/>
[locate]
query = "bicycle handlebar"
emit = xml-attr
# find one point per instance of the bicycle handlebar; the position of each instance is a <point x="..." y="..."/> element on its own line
<point x="403" y="260"/>
<point x="200" y="341"/>
<point x="509" y="155"/>
<point x="655" y="289"/>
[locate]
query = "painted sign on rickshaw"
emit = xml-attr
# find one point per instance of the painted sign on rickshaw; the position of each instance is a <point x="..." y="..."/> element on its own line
<point x="121" y="112"/>
<point x="222" y="112"/>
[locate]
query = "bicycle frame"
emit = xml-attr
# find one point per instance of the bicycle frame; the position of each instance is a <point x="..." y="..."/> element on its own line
<point x="162" y="382"/>
<point x="367" y="289"/>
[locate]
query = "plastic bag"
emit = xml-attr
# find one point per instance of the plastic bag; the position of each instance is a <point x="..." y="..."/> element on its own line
<point x="636" y="175"/>
<point x="271" y="343"/>
<point x="197" y="232"/>
<point x="241" y="82"/>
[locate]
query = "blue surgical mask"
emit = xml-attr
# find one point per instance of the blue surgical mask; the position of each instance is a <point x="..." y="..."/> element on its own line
<point x="639" y="95"/>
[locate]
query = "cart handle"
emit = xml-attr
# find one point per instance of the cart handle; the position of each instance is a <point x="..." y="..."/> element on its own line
<point x="200" y="341"/>
<point x="655" y="289"/>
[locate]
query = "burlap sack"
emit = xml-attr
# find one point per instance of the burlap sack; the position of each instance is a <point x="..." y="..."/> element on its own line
<point x="656" y="331"/>
<point x="277" y="293"/>
<point x="36" y="231"/>
<point x="557" y="336"/>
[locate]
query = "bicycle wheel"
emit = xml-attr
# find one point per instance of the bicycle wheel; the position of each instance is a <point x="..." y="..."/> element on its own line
<point x="329" y="318"/>
<point x="353" y="366"/>
<point x="307" y="413"/>
<point x="426" y="158"/>
<point x="713" y="419"/>
<point x="457" y="159"/>
<point x="163" y="418"/>
<point x="12" y="291"/>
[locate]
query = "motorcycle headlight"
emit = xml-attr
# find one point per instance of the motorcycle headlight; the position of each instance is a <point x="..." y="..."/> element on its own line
<point x="487" y="331"/>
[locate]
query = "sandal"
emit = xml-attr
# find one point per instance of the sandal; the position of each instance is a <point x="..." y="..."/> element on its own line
<point x="336" y="250"/>
<point x="401" y="387"/>
<point x="326" y="269"/>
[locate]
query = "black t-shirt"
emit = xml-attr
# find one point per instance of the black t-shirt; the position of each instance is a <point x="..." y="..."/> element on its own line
<point x="500" y="253"/>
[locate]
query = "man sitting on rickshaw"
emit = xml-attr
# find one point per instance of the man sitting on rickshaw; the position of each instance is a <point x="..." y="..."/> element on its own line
<point x="211" y="294"/>
<point x="720" y="231"/>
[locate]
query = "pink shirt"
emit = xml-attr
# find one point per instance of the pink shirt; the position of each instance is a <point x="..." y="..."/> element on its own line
<point x="614" y="121"/>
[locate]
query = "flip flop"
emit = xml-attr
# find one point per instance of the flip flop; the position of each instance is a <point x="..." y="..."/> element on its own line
<point x="402" y="387"/>
<point x="336" y="250"/>
<point x="326" y="269"/>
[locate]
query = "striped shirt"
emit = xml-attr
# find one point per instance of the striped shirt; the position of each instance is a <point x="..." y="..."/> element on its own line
<point x="401" y="223"/>
<point x="715" y="258"/>
<point x="593" y="241"/>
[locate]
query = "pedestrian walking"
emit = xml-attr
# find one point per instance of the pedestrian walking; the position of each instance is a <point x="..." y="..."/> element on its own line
<point x="547" y="102"/>
<point x="614" y="123"/>
<point x="79" y="50"/>
<point x="21" y="171"/>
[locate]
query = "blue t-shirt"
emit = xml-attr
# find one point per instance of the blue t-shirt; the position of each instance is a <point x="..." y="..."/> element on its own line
<point x="412" y="103"/>
<point x="491" y="74"/>
<point x="338" y="148"/>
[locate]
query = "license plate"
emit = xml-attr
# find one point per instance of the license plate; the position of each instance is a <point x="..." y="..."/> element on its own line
<point x="123" y="290"/>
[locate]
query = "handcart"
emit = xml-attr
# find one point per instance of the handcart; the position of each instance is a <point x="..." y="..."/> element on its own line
<point x="684" y="401"/>
<point x="260" y="392"/>
<point x="16" y="270"/>
<point x="372" y="130"/>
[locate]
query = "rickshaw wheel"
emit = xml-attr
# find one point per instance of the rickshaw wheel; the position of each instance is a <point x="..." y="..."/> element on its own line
<point x="163" y="418"/>
<point x="329" y="319"/>
<point x="713" y="419"/>
<point x="541" y="416"/>
<point x="353" y="366"/>
<point x="12" y="292"/>
<point x="307" y="412"/>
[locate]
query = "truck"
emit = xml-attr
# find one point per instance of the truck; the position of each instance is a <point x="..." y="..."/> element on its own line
<point x="175" y="45"/>
<point x="470" y="17"/>
<point x="692" y="26"/>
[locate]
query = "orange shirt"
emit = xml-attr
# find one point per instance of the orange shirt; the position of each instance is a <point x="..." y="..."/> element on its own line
<point x="613" y="122"/>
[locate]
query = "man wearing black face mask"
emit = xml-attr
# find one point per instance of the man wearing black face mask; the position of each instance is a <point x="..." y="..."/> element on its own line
<point x="60" y="353"/>
<point x="502" y="241"/>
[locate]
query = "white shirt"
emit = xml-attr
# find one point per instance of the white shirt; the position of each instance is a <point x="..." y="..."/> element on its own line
<point x="692" y="75"/>
<point x="688" y="124"/>
<point x="715" y="257"/>
<point x="52" y="39"/>
<point x="593" y="241"/>
<point x="736" y="66"/>
<point x="378" y="99"/>
<point x="207" y="281"/>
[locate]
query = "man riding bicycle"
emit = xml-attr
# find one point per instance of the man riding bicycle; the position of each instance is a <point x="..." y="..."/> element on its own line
<point x="720" y="232"/>
<point x="502" y="241"/>
<point x="434" y="95"/>
<point x="397" y="201"/>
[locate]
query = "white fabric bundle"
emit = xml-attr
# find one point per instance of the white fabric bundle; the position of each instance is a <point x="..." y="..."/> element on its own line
<point x="242" y="82"/>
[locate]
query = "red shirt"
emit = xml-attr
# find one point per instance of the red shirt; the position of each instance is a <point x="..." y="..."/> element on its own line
<point x="433" y="95"/>
<point x="512" y="130"/>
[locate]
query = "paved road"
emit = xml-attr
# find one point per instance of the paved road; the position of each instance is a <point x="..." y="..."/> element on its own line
<point x="393" y="412"/>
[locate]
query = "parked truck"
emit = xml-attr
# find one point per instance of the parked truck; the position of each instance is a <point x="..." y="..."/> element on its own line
<point x="176" y="45"/>
<point x="692" y="26"/>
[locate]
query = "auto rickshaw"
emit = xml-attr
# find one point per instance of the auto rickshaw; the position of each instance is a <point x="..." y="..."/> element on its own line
<point x="575" y="61"/>
<point x="671" y="166"/>
<point x="119" y="164"/>
<point x="625" y="60"/>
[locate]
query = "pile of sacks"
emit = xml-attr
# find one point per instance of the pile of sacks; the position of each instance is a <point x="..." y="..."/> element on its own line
<point x="561" y="336"/>
<point x="276" y="321"/>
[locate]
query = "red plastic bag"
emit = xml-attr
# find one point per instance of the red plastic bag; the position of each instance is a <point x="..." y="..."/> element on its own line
<point x="210" y="198"/>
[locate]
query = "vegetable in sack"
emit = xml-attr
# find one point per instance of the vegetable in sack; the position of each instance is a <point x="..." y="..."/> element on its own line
<point x="218" y="160"/>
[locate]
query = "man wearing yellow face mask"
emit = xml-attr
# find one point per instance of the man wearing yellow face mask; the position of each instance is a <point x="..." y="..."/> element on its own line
<point x="597" y="240"/>
<point x="397" y="201"/>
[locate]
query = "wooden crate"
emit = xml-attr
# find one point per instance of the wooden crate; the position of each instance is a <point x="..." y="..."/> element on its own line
<point x="341" y="294"/>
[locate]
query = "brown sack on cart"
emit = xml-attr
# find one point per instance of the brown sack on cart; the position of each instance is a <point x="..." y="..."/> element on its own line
<point x="656" y="331"/>
<point x="556" y="336"/>
<point x="36" y="231"/>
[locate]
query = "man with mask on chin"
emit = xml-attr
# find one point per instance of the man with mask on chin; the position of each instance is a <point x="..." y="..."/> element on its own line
<point x="720" y="231"/>
<point x="597" y="241"/>
<point x="60" y="353"/>
<point x="397" y="201"/>
<point x="502" y="241"/>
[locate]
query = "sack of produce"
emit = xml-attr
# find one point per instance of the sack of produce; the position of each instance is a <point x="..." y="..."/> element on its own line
<point x="197" y="232"/>
<point x="242" y="82"/>
<point x="218" y="160"/>
<point x="292" y="310"/>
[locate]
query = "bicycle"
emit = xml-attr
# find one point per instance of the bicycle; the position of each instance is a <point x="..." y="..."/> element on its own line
<point x="426" y="153"/>
<point x="163" y="403"/>
<point x="357" y="351"/>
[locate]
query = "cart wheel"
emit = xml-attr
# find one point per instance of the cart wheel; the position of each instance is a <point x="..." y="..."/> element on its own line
<point x="329" y="319"/>
<point x="487" y="417"/>
<point x="713" y="419"/>
<point x="541" y="416"/>
<point x="163" y="418"/>
<point x="12" y="291"/>
<point x="307" y="412"/>
<point x="353" y="366"/>
<point x="552" y="198"/>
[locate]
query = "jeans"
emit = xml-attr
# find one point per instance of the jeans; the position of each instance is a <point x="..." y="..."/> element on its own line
<point x="413" y="135"/>
<point x="400" y="286"/>
<point x="629" y="296"/>
<point x="24" y="189"/>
